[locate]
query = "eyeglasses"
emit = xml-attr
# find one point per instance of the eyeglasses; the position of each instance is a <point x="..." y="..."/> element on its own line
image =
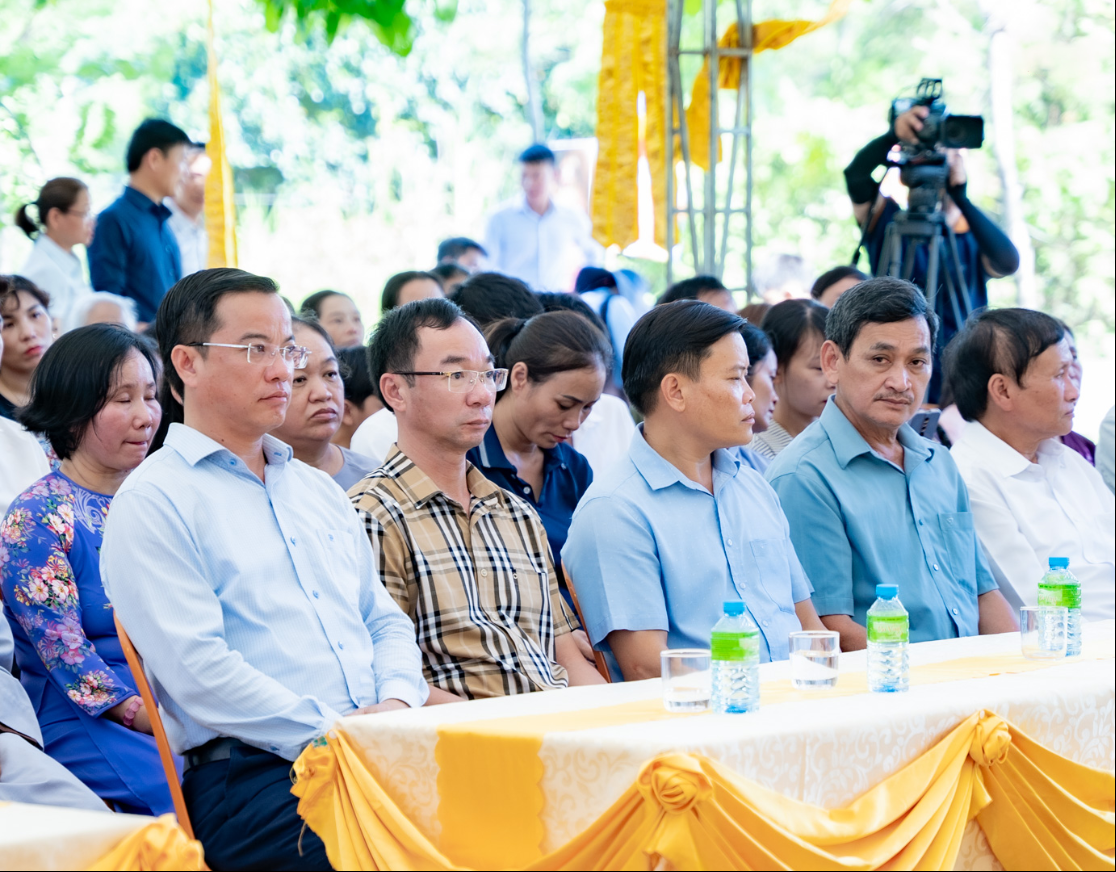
<point x="463" y="380"/>
<point x="292" y="355"/>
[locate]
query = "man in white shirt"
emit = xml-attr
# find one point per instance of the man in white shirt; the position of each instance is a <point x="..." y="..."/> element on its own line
<point x="187" y="206"/>
<point x="535" y="239"/>
<point x="1011" y="375"/>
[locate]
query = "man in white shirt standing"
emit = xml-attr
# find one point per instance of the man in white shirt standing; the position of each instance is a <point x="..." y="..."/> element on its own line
<point x="534" y="238"/>
<point x="187" y="220"/>
<point x="1011" y="375"/>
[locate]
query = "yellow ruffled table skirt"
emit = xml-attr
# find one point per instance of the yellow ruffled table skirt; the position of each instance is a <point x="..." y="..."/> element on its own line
<point x="48" y="838"/>
<point x="567" y="779"/>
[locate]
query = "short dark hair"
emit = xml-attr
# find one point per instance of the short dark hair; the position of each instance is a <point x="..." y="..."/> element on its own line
<point x="312" y="306"/>
<point x="10" y="286"/>
<point x="593" y="278"/>
<point x="758" y="342"/>
<point x="447" y="270"/>
<point x="994" y="341"/>
<point x="489" y="296"/>
<point x="675" y="337"/>
<point x="538" y="153"/>
<point x="689" y="289"/>
<point x="188" y="314"/>
<point x="395" y="340"/>
<point x="548" y="344"/>
<point x="882" y="300"/>
<point x="71" y="384"/>
<point x="313" y="324"/>
<point x="831" y="276"/>
<point x="561" y="301"/>
<point x="454" y="247"/>
<point x="389" y="299"/>
<point x="790" y="322"/>
<point x="153" y="133"/>
<point x="354" y="373"/>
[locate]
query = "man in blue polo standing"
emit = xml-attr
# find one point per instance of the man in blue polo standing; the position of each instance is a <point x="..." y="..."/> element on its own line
<point x="134" y="252"/>
<point x="869" y="500"/>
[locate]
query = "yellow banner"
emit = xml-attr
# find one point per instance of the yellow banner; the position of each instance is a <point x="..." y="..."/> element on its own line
<point x="220" y="208"/>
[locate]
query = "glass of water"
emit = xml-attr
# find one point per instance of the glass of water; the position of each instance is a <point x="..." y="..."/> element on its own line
<point x="687" y="679"/>
<point x="1043" y="632"/>
<point x="813" y="657"/>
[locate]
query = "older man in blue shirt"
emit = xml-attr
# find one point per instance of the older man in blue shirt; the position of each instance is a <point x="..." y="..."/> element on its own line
<point x="667" y="535"/>
<point x="869" y="500"/>
<point x="245" y="580"/>
<point x="134" y="252"/>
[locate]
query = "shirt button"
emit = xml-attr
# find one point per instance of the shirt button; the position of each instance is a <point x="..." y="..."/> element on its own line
<point x="341" y="645"/>
<point x="936" y="567"/>
<point x="730" y="543"/>
<point x="921" y="522"/>
<point x="955" y="611"/>
<point x="316" y="595"/>
<point x="527" y="490"/>
<point x="293" y="542"/>
<point x="484" y="572"/>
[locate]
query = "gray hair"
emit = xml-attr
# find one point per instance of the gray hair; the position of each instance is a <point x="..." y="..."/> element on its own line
<point x="85" y="303"/>
<point x="882" y="300"/>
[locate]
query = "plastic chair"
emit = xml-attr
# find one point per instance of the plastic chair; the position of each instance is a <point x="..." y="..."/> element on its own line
<point x="135" y="663"/>
<point x="598" y="657"/>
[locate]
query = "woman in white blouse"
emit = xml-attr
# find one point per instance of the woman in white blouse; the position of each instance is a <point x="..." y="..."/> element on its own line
<point x="58" y="220"/>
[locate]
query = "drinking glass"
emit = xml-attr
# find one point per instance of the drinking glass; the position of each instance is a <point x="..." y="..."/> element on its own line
<point x="813" y="657"/>
<point x="1043" y="631"/>
<point x="687" y="679"/>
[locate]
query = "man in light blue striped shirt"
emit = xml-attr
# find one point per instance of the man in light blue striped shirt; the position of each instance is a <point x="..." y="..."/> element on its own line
<point x="245" y="580"/>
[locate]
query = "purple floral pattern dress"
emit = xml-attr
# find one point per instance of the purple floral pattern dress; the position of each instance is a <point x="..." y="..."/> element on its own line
<point x="69" y="655"/>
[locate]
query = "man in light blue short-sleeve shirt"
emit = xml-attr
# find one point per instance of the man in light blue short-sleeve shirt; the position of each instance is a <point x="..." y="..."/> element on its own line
<point x="869" y="500"/>
<point x="680" y="525"/>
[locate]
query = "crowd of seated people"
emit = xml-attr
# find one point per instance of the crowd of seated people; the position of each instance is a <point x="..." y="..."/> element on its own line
<point x="297" y="521"/>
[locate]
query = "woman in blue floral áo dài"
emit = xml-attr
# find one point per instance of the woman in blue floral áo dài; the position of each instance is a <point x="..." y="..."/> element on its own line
<point x="71" y="661"/>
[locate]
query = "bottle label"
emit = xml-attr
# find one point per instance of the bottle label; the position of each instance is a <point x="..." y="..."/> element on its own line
<point x="735" y="646"/>
<point x="1065" y="595"/>
<point x="889" y="628"/>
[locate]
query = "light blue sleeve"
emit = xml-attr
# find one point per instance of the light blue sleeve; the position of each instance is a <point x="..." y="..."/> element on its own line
<point x="817" y="532"/>
<point x="614" y="563"/>
<point x="397" y="660"/>
<point x="156" y="577"/>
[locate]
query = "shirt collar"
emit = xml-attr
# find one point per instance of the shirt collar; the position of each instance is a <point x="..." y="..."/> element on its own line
<point x="194" y="446"/>
<point x="848" y="443"/>
<point x="178" y="214"/>
<point x="144" y="203"/>
<point x="56" y="253"/>
<point x="492" y="456"/>
<point x="419" y="488"/>
<point x="660" y="473"/>
<point x="525" y="207"/>
<point x="1001" y="458"/>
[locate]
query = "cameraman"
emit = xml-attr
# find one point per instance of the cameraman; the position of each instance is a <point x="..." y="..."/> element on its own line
<point x="984" y="250"/>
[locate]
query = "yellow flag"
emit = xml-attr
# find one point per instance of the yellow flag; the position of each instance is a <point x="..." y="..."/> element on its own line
<point x="220" y="210"/>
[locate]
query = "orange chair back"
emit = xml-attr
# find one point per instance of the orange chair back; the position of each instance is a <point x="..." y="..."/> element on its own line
<point x="135" y="663"/>
<point x="598" y="657"/>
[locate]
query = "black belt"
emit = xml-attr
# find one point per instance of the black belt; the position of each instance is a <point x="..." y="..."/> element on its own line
<point x="212" y="751"/>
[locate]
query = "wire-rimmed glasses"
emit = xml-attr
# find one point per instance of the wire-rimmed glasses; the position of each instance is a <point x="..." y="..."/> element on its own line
<point x="262" y="353"/>
<point x="462" y="381"/>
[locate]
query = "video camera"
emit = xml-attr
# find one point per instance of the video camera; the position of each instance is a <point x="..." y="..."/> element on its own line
<point x="923" y="167"/>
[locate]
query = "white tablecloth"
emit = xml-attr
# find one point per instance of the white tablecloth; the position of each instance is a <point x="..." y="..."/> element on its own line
<point x="825" y="751"/>
<point x="49" y="838"/>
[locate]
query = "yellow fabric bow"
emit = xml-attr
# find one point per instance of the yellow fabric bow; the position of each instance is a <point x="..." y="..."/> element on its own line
<point x="162" y="845"/>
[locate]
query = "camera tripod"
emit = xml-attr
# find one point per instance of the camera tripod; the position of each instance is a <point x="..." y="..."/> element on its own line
<point x="901" y="240"/>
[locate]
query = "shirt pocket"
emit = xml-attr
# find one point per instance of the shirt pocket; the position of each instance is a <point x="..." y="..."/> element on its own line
<point x="339" y="564"/>
<point x="959" y="540"/>
<point x="773" y="571"/>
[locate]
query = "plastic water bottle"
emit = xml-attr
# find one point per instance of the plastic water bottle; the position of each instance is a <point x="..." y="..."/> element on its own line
<point x="889" y="632"/>
<point x="1060" y="587"/>
<point x="735" y="646"/>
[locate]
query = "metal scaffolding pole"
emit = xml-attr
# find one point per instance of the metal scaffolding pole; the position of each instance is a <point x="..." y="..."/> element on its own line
<point x="714" y="225"/>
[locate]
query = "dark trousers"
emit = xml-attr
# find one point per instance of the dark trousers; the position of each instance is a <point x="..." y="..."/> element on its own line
<point x="245" y="815"/>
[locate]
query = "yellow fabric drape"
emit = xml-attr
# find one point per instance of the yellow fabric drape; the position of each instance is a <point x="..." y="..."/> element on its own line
<point x="633" y="60"/>
<point x="158" y="846"/>
<point x="489" y="770"/>
<point x="1038" y="810"/>
<point x="766" y="36"/>
<point x="220" y="209"/>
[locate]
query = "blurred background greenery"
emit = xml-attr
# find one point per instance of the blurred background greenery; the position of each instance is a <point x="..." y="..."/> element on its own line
<point x="359" y="142"/>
